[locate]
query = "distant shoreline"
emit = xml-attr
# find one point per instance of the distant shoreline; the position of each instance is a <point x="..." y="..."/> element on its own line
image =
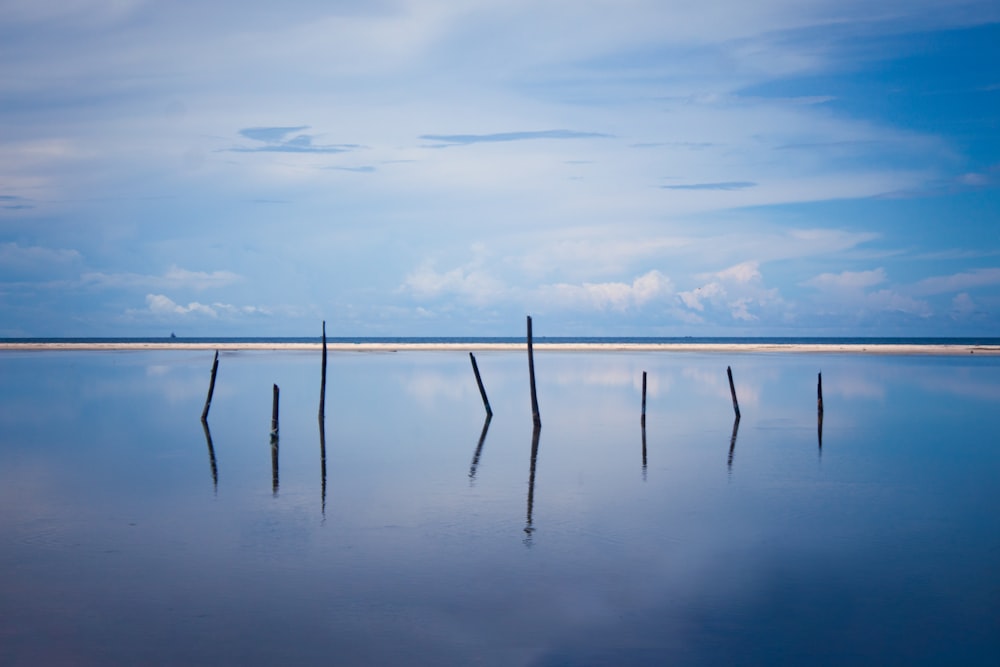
<point x="842" y="348"/>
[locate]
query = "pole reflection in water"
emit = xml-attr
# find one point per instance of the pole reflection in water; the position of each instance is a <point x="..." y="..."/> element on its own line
<point x="529" y="528"/>
<point x="644" y="448"/>
<point x="322" y="463"/>
<point x="732" y="441"/>
<point x="819" y="431"/>
<point x="479" y="448"/>
<point x="274" y="464"/>
<point x="211" y="455"/>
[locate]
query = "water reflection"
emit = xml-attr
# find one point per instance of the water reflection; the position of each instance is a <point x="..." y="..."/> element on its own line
<point x="732" y="442"/>
<point x="211" y="455"/>
<point x="529" y="529"/>
<point x="479" y="448"/>
<point x="274" y="464"/>
<point x="644" y="448"/>
<point x="322" y="453"/>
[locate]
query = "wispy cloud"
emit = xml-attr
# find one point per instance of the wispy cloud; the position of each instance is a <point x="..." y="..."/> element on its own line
<point x="466" y="139"/>
<point x="958" y="282"/>
<point x="163" y="306"/>
<point x="723" y="185"/>
<point x="847" y="280"/>
<point x="277" y="140"/>
<point x="174" y="278"/>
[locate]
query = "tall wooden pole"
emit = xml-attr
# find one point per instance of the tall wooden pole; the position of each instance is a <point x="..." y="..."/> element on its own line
<point x="643" y="419"/>
<point x="274" y="411"/>
<point x="819" y="393"/>
<point x="531" y="374"/>
<point x="732" y="390"/>
<point x="479" y="381"/>
<point x="322" y="384"/>
<point x="211" y="388"/>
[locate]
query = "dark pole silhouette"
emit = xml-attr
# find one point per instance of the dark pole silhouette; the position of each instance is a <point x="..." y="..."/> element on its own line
<point x="274" y="441"/>
<point x="322" y="464"/>
<point x="529" y="528"/>
<point x="536" y="418"/>
<point x="819" y="412"/>
<point x="322" y="384"/>
<point x="274" y="411"/>
<point x="211" y="388"/>
<point x="644" y="450"/>
<point x="211" y="455"/>
<point x="732" y="390"/>
<point x="479" y="448"/>
<point x="643" y="418"/>
<point x="479" y="382"/>
<point x="732" y="441"/>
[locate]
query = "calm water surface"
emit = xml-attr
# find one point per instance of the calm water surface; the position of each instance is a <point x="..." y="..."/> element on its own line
<point x="129" y="535"/>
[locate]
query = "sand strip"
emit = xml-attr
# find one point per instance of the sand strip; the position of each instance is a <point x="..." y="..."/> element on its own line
<point x="893" y="349"/>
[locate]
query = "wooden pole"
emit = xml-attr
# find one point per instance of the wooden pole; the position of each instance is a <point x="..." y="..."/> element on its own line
<point x="211" y="388"/>
<point x="274" y="411"/>
<point x="643" y="419"/>
<point x="322" y="384"/>
<point x="479" y="381"/>
<point x="819" y="393"/>
<point x="732" y="390"/>
<point x="531" y="374"/>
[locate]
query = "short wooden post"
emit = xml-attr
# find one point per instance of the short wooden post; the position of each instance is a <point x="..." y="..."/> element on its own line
<point x="322" y="383"/>
<point x="732" y="390"/>
<point x="479" y="382"/>
<point x="819" y="393"/>
<point x="643" y="418"/>
<point x="211" y="388"/>
<point x="531" y="374"/>
<point x="274" y="411"/>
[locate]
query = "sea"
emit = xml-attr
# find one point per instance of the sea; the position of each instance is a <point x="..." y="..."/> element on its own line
<point x="387" y="518"/>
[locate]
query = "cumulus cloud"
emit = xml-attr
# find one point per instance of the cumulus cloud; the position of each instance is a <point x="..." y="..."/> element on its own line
<point x="163" y="306"/>
<point x="469" y="282"/>
<point x="619" y="296"/>
<point x="738" y="290"/>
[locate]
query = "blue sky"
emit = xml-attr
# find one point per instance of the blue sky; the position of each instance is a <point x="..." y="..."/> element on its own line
<point x="424" y="167"/>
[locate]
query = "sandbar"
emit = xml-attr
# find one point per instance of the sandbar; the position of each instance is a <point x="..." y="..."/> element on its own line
<point x="541" y="346"/>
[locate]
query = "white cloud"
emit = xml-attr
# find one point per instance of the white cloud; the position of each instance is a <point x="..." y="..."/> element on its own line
<point x="962" y="306"/>
<point x="958" y="281"/>
<point x="847" y="280"/>
<point x="468" y="282"/>
<point x="174" y="278"/>
<point x="160" y="304"/>
<point x="649" y="287"/>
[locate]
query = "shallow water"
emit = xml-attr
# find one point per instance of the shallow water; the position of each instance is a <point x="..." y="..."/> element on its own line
<point x="126" y="539"/>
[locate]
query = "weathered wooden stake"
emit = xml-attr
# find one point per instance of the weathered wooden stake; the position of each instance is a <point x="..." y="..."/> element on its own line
<point x="531" y="374"/>
<point x="482" y="390"/>
<point x="274" y="411"/>
<point x="643" y="419"/>
<point x="322" y="384"/>
<point x="819" y="393"/>
<point x="211" y="388"/>
<point x="732" y="390"/>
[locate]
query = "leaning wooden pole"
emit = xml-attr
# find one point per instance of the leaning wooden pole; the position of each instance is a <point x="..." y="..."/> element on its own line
<point x="531" y="375"/>
<point x="479" y="382"/>
<point x="274" y="411"/>
<point x="732" y="390"/>
<point x="322" y="383"/>
<point x="211" y="388"/>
